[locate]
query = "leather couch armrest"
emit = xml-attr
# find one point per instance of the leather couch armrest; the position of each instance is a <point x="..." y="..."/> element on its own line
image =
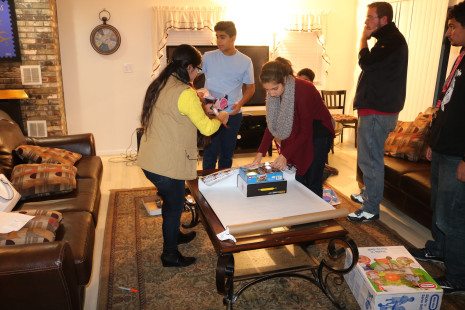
<point x="81" y="143"/>
<point x="39" y="276"/>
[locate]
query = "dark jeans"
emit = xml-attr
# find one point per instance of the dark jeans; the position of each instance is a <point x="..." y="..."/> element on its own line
<point x="448" y="204"/>
<point x="172" y="192"/>
<point x="313" y="178"/>
<point x="223" y="144"/>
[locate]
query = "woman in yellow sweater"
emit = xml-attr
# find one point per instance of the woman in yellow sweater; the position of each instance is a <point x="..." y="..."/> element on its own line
<point x="171" y="115"/>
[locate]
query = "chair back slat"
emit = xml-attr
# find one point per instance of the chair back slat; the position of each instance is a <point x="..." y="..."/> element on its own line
<point x="334" y="99"/>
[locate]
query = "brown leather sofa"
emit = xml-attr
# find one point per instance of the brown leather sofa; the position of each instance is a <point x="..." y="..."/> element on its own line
<point x="52" y="275"/>
<point x="407" y="187"/>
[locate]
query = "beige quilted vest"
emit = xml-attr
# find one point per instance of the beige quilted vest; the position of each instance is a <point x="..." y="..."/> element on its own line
<point x="169" y="147"/>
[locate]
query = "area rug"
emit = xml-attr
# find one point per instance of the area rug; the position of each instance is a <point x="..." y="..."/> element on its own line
<point x="132" y="276"/>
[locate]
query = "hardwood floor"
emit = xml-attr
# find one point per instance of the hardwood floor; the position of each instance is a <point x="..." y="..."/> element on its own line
<point x="121" y="172"/>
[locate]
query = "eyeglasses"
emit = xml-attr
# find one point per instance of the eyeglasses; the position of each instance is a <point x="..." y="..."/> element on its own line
<point x="199" y="68"/>
<point x="370" y="17"/>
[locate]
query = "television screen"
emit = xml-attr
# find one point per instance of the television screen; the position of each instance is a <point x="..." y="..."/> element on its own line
<point x="259" y="56"/>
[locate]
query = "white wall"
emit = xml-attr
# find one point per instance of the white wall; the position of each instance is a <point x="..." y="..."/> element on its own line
<point x="102" y="99"/>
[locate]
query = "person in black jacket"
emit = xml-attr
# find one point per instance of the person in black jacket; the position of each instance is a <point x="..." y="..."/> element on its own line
<point x="379" y="98"/>
<point x="447" y="154"/>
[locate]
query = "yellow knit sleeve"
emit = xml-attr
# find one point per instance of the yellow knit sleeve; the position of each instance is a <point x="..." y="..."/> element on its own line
<point x="189" y="104"/>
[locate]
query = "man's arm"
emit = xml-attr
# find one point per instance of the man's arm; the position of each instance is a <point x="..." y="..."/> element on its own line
<point x="248" y="94"/>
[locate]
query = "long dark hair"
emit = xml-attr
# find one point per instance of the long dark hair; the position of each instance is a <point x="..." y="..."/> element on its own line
<point x="183" y="56"/>
<point x="276" y="71"/>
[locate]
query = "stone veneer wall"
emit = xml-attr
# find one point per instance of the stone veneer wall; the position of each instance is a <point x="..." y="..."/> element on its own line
<point x="39" y="44"/>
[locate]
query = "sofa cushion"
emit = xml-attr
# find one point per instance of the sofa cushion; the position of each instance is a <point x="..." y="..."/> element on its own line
<point x="395" y="168"/>
<point x="77" y="228"/>
<point x="408" y="140"/>
<point x="89" y="167"/>
<point x="33" y="154"/>
<point x="32" y="180"/>
<point x="85" y="198"/>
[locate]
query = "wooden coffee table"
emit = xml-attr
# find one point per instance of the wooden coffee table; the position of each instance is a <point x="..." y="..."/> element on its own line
<point x="317" y="272"/>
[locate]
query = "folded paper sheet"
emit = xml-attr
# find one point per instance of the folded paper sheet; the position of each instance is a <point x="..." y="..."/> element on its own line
<point x="241" y="214"/>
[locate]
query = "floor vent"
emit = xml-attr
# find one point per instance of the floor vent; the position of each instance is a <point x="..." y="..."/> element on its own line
<point x="37" y="128"/>
<point x="31" y="75"/>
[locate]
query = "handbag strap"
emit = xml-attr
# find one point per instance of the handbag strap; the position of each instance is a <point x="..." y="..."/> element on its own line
<point x="9" y="191"/>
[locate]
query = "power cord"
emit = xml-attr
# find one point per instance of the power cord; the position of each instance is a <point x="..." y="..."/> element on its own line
<point x="130" y="157"/>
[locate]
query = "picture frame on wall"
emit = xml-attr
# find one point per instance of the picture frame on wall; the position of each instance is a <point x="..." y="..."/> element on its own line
<point x="9" y="40"/>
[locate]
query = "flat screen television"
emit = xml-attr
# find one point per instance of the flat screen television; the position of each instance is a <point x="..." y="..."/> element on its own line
<point x="259" y="56"/>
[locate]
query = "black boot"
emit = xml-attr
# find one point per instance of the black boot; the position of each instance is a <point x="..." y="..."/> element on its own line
<point x="186" y="238"/>
<point x="175" y="259"/>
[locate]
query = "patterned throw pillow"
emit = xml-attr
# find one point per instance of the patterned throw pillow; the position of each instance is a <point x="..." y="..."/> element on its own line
<point x="33" y="154"/>
<point x="36" y="180"/>
<point x="41" y="228"/>
<point x="49" y="220"/>
<point x="26" y="236"/>
<point x="408" y="140"/>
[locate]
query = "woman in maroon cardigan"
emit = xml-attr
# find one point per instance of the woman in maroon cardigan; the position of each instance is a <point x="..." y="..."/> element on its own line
<point x="299" y="121"/>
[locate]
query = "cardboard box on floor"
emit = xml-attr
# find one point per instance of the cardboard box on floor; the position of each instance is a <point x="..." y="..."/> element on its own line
<point x="389" y="278"/>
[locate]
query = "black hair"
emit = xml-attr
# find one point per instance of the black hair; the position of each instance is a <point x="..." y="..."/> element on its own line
<point x="307" y="72"/>
<point x="276" y="71"/>
<point x="183" y="56"/>
<point x="383" y="9"/>
<point x="458" y="13"/>
<point x="226" y="26"/>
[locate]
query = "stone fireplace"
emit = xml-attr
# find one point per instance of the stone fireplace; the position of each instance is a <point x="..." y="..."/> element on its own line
<point x="39" y="44"/>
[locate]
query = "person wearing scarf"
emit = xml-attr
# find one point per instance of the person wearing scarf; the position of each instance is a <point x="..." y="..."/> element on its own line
<point x="299" y="121"/>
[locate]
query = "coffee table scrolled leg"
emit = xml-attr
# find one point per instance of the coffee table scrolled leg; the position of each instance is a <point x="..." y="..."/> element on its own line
<point x="225" y="278"/>
<point x="336" y="273"/>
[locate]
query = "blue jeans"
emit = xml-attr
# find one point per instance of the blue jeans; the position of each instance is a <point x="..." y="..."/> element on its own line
<point x="223" y="144"/>
<point x="313" y="177"/>
<point x="448" y="204"/>
<point x="373" y="131"/>
<point x="172" y="192"/>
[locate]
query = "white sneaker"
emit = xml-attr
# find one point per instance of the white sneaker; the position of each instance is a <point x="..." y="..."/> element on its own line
<point x="362" y="216"/>
<point x="357" y="198"/>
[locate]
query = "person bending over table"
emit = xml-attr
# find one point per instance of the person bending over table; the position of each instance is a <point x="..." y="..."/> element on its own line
<point x="171" y="114"/>
<point x="292" y="107"/>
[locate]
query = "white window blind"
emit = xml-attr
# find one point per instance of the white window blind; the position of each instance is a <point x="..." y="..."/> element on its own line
<point x="303" y="50"/>
<point x="178" y="37"/>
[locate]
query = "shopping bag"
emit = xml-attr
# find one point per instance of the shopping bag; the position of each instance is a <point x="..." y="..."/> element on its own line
<point x="9" y="196"/>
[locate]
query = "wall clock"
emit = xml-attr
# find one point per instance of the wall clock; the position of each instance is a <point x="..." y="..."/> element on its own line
<point x="105" y="39"/>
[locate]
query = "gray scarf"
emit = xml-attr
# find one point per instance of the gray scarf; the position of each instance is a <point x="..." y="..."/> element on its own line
<point x="280" y="111"/>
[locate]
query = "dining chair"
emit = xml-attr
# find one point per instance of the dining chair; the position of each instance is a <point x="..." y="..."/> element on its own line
<point x="336" y="100"/>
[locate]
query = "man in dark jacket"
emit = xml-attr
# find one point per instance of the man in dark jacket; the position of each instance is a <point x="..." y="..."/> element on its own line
<point x="447" y="154"/>
<point x="379" y="98"/>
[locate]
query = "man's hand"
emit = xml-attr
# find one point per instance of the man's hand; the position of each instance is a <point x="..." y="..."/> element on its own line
<point x="280" y="163"/>
<point x="461" y="171"/>
<point x="236" y="108"/>
<point x="429" y="153"/>
<point x="367" y="32"/>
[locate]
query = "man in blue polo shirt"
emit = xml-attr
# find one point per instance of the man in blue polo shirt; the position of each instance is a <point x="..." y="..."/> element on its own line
<point x="226" y="70"/>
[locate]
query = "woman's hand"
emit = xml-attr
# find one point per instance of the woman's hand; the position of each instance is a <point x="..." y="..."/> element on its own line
<point x="223" y="117"/>
<point x="280" y="163"/>
<point x="256" y="161"/>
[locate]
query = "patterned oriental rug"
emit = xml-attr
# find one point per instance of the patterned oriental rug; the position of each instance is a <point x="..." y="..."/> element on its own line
<point x="131" y="259"/>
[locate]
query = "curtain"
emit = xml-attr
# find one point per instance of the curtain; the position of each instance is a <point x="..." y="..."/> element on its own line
<point x="310" y="22"/>
<point x="179" y="18"/>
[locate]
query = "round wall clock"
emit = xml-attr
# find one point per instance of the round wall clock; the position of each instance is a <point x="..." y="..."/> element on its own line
<point x="105" y="39"/>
